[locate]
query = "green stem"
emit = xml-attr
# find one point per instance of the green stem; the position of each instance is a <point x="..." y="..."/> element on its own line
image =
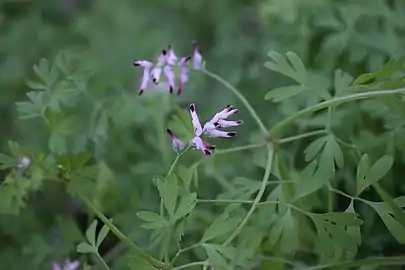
<point x="301" y="136"/>
<point x="189" y="265"/>
<point x="397" y="260"/>
<point x="241" y="98"/>
<point x="269" y="165"/>
<point x="142" y="255"/>
<point x="103" y="263"/>
<point x="224" y="201"/>
<point x="334" y="101"/>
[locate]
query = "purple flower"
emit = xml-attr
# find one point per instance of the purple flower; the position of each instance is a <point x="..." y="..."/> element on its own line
<point x="165" y="63"/>
<point x="197" y="57"/>
<point x="68" y="265"/>
<point x="178" y="145"/>
<point x="218" y="121"/>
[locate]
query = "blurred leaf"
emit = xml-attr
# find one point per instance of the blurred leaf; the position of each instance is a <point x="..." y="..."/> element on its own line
<point x="154" y="221"/>
<point x="215" y="258"/>
<point x="224" y="224"/>
<point x="390" y="68"/>
<point x="91" y="233"/>
<point x="294" y="69"/>
<point x="354" y="232"/>
<point x="168" y="189"/>
<point x="284" y="233"/>
<point x="390" y="218"/>
<point x="374" y="174"/>
<point x="314" y="148"/>
<point x="57" y="144"/>
<point x="342" y="81"/>
<point x="7" y="161"/>
<point x="102" y="234"/>
<point x="186" y="205"/>
<point x="85" y="248"/>
<point x="283" y="93"/>
<point x="31" y="109"/>
<point x="35" y="85"/>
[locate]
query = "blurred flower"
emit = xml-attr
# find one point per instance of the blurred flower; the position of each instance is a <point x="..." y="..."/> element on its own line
<point x="178" y="145"/>
<point x="197" y="57"/>
<point x="165" y="63"/>
<point x="24" y="163"/>
<point x="68" y="265"/>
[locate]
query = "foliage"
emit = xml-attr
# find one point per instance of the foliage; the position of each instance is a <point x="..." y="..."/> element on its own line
<point x="313" y="178"/>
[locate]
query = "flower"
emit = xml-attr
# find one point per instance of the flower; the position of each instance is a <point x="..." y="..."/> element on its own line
<point x="69" y="265"/>
<point x="178" y="145"/>
<point x="165" y="63"/>
<point x="218" y="121"/>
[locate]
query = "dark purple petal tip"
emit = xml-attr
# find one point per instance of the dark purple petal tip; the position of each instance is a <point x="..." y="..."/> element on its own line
<point x="192" y="107"/>
<point x="231" y="134"/>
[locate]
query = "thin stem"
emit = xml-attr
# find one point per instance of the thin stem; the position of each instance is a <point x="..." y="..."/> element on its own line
<point x="241" y="98"/>
<point x="269" y="165"/>
<point x="142" y="255"/>
<point x="181" y="251"/>
<point x="301" y="136"/>
<point x="224" y="201"/>
<point x="334" y="101"/>
<point x="188" y="265"/>
<point x="337" y="191"/>
<point x="103" y="263"/>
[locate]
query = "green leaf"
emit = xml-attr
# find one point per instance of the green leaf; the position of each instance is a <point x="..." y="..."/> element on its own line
<point x="284" y="232"/>
<point x="14" y="148"/>
<point x="394" y="65"/>
<point x="314" y="148"/>
<point x="102" y="234"/>
<point x="7" y="161"/>
<point x="57" y="144"/>
<point x="35" y="85"/>
<point x="31" y="109"/>
<point x="224" y="224"/>
<point x="374" y="174"/>
<point x="342" y="82"/>
<point x="283" y="93"/>
<point x="168" y="189"/>
<point x="390" y="218"/>
<point x="294" y="69"/>
<point x="187" y="204"/>
<point x="91" y="233"/>
<point x="362" y="169"/>
<point x="215" y="258"/>
<point x="85" y="248"/>
<point x="333" y="147"/>
<point x="307" y="182"/>
<point x="354" y="232"/>
<point x="153" y="220"/>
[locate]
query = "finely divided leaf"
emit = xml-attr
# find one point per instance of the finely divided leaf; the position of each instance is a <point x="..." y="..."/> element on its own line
<point x="225" y="223"/>
<point x="283" y="93"/>
<point x="168" y="190"/>
<point x="91" y="233"/>
<point x="314" y="148"/>
<point x="153" y="220"/>
<point x="186" y="205"/>
<point x="103" y="234"/>
<point x="374" y="174"/>
<point x="291" y="66"/>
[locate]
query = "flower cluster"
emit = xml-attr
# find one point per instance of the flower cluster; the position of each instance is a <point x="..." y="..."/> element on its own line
<point x="166" y="61"/>
<point x="211" y="129"/>
<point x="68" y="265"/>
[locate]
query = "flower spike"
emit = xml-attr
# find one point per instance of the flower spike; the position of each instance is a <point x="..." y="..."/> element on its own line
<point x="178" y="145"/>
<point x="183" y="73"/>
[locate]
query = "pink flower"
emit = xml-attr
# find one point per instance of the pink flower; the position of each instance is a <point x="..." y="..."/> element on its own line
<point x="197" y="57"/>
<point x="178" y="145"/>
<point x="68" y="265"/>
<point x="165" y="63"/>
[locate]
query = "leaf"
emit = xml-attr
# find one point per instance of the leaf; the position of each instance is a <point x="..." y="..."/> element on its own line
<point x="342" y="81"/>
<point x="103" y="234"/>
<point x="283" y="93"/>
<point x="335" y="150"/>
<point x="168" y="189"/>
<point x="85" y="248"/>
<point x="153" y="220"/>
<point x="57" y="144"/>
<point x="394" y="65"/>
<point x="314" y="148"/>
<point x="390" y="218"/>
<point x="215" y="258"/>
<point x="7" y="161"/>
<point x="284" y="232"/>
<point x="362" y="169"/>
<point x="187" y="204"/>
<point x="376" y="172"/>
<point x="91" y="233"/>
<point x="222" y="225"/>
<point x="185" y="175"/>
<point x="354" y="232"/>
<point x="307" y="182"/>
<point x="35" y="85"/>
<point x="31" y="109"/>
<point x="294" y="69"/>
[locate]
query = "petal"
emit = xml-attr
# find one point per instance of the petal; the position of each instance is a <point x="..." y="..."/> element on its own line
<point x="171" y="57"/>
<point x="183" y="73"/>
<point x="200" y="145"/>
<point x="161" y="61"/>
<point x="220" y="114"/>
<point x="170" y="77"/>
<point x="71" y="265"/>
<point x="176" y="142"/>
<point x="56" y="266"/>
<point x="143" y="64"/>
<point x="224" y="123"/>
<point x="220" y="133"/>
<point x="197" y="57"/>
<point x="144" y="81"/>
<point x="211" y="125"/>
<point x="195" y="120"/>
<point x="155" y="73"/>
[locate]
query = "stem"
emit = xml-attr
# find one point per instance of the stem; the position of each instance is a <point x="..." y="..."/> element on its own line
<point x="301" y="136"/>
<point x="142" y="255"/>
<point x="241" y="98"/>
<point x="103" y="263"/>
<point x="334" y="101"/>
<point x="181" y="251"/>
<point x="269" y="165"/>
<point x="189" y="265"/>
<point x="224" y="201"/>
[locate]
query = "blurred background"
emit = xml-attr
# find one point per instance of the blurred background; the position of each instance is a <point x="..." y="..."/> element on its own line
<point x="125" y="133"/>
